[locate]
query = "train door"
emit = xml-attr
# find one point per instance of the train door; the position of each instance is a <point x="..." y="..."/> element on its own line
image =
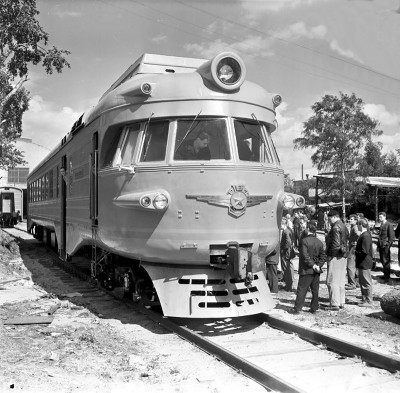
<point x="94" y="194"/>
<point x="94" y="181"/>
<point x="63" y="201"/>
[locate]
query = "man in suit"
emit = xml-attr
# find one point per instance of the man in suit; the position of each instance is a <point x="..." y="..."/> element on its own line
<point x="336" y="251"/>
<point x="385" y="240"/>
<point x="311" y="259"/>
<point x="285" y="251"/>
<point x="364" y="262"/>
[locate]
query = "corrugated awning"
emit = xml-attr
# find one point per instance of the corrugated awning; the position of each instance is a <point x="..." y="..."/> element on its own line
<point x="391" y="182"/>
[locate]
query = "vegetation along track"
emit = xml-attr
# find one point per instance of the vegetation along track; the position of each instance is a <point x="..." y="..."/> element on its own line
<point x="279" y="355"/>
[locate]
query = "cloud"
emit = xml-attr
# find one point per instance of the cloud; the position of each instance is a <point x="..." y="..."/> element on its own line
<point x="251" y="46"/>
<point x="280" y="117"/>
<point x="47" y="124"/>
<point x="299" y="30"/>
<point x="334" y="45"/>
<point x="159" y="39"/>
<point x="389" y="142"/>
<point x="380" y="113"/>
<point x="67" y="14"/>
<point x="255" y="7"/>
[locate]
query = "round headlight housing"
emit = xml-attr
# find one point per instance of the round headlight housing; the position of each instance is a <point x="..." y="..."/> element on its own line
<point x="300" y="201"/>
<point x="146" y="88"/>
<point x="145" y="201"/>
<point x="228" y="71"/>
<point x="288" y="201"/>
<point x="160" y="202"/>
<point x="276" y="100"/>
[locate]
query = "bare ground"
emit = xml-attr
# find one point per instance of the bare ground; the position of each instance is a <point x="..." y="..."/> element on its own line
<point x="82" y="350"/>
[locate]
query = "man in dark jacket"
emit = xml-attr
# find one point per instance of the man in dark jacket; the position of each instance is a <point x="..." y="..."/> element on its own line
<point x="364" y="262"/>
<point x="351" y="259"/>
<point x="336" y="251"/>
<point x="311" y="259"/>
<point x="385" y="240"/>
<point x="286" y="263"/>
<point x="397" y="235"/>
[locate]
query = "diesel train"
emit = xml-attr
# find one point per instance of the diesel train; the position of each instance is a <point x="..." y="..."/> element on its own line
<point x="171" y="185"/>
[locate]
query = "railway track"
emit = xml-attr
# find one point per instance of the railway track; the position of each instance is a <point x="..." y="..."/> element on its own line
<point x="279" y="355"/>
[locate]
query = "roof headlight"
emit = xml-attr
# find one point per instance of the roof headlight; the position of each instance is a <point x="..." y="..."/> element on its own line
<point x="288" y="201"/>
<point x="160" y="202"/>
<point x="226" y="71"/>
<point x="276" y="100"/>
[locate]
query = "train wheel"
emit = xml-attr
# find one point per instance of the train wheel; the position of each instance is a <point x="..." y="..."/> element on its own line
<point x="147" y="294"/>
<point x="128" y="285"/>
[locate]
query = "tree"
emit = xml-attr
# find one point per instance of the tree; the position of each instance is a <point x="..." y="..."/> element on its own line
<point x="23" y="43"/>
<point x="337" y="131"/>
<point x="288" y="183"/>
<point x="371" y="162"/>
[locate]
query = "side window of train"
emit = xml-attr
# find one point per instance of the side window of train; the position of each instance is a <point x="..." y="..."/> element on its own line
<point x="251" y="143"/>
<point x="203" y="139"/>
<point x="119" y="147"/>
<point x="155" y="141"/>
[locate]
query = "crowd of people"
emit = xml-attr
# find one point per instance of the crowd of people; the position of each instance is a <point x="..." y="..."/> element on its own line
<point x="347" y="254"/>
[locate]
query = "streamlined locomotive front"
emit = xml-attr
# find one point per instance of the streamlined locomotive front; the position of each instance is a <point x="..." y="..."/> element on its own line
<point x="193" y="188"/>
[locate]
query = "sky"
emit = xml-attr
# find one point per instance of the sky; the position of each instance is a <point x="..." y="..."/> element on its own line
<point x="300" y="49"/>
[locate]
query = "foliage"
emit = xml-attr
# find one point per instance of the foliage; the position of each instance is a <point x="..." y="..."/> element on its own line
<point x="337" y="131"/>
<point x="23" y="43"/>
<point x="288" y="183"/>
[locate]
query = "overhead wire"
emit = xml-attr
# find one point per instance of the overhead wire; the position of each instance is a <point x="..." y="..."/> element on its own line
<point x="249" y="46"/>
<point x="247" y="27"/>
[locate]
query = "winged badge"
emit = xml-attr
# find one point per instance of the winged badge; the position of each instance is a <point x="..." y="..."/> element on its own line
<point x="236" y="199"/>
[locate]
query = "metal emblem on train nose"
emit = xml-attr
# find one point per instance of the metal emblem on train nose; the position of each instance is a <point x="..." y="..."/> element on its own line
<point x="237" y="199"/>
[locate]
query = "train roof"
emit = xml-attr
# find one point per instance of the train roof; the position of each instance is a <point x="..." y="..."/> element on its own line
<point x="157" y="64"/>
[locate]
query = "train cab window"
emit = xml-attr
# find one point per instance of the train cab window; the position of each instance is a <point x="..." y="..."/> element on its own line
<point x="203" y="139"/>
<point x="155" y="141"/>
<point x="126" y="147"/>
<point x="251" y="143"/>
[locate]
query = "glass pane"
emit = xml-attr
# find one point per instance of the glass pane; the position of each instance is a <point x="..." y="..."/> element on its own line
<point x="129" y="143"/>
<point x="155" y="142"/>
<point x="205" y="139"/>
<point x="250" y="143"/>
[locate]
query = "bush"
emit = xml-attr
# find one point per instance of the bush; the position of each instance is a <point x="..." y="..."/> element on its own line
<point x="390" y="303"/>
<point x="8" y="243"/>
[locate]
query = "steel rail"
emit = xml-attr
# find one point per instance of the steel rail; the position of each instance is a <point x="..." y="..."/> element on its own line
<point x="373" y="358"/>
<point x="259" y="375"/>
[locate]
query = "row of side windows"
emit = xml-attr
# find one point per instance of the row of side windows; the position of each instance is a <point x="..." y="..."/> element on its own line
<point x="45" y="187"/>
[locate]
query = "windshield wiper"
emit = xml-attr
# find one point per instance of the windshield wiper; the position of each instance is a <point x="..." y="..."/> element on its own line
<point x="187" y="132"/>
<point x="146" y="148"/>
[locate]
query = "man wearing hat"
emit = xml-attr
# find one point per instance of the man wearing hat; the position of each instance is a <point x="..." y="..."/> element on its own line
<point x="336" y="251"/>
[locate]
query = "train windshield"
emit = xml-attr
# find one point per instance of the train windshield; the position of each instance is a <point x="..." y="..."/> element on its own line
<point x="203" y="139"/>
<point x="253" y="143"/>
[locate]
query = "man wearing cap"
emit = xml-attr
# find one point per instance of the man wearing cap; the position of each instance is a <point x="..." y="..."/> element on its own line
<point x="336" y="251"/>
<point x="312" y="258"/>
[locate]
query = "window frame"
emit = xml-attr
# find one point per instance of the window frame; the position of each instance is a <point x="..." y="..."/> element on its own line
<point x="173" y="139"/>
